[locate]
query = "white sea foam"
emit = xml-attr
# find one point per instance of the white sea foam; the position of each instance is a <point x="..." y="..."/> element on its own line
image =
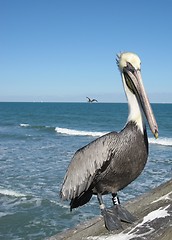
<point x="67" y="131"/>
<point x="24" y="125"/>
<point x="60" y="203"/>
<point x="3" y="214"/>
<point x="161" y="141"/>
<point x="11" y="193"/>
<point x="78" y="133"/>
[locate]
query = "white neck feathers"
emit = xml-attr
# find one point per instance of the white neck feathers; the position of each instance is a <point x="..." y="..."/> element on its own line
<point x="135" y="111"/>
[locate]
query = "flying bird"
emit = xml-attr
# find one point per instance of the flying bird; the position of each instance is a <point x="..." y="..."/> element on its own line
<point x="91" y="100"/>
<point x="111" y="162"/>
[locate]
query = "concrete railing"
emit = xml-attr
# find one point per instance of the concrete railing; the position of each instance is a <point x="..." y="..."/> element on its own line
<point x="154" y="220"/>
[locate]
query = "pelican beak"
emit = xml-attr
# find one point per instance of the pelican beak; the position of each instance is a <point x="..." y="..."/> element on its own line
<point x="134" y="82"/>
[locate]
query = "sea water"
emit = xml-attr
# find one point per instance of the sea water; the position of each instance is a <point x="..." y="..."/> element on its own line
<point x="37" y="142"/>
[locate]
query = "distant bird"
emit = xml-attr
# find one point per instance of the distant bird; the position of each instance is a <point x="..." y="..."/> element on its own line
<point x="111" y="162"/>
<point x="91" y="100"/>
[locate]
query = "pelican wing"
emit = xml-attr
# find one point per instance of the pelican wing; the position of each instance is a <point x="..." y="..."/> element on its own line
<point x="85" y="163"/>
<point x="89" y="99"/>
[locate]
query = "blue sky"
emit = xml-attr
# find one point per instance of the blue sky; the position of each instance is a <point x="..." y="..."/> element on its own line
<point x="53" y="50"/>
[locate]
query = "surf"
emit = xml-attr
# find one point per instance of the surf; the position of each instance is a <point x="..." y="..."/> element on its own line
<point x="37" y="127"/>
<point x="11" y="193"/>
<point x="161" y="141"/>
<point x="75" y="132"/>
<point x="66" y="131"/>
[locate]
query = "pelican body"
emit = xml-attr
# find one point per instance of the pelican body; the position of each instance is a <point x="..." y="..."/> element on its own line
<point x="111" y="162"/>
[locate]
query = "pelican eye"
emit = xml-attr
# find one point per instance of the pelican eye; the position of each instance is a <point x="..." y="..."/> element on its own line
<point x="130" y="67"/>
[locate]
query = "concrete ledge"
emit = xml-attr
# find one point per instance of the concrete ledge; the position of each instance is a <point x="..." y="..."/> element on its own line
<point x="153" y="211"/>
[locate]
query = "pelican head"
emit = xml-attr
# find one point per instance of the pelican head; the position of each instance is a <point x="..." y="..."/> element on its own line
<point x="130" y="67"/>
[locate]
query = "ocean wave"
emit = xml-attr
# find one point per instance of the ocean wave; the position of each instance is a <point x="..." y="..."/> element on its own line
<point x="24" y="125"/>
<point x="161" y="141"/>
<point x="68" y="131"/>
<point x="12" y="193"/>
<point x="3" y="214"/>
<point x="38" y="127"/>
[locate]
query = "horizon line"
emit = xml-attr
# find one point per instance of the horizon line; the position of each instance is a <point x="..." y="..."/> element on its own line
<point x="76" y="102"/>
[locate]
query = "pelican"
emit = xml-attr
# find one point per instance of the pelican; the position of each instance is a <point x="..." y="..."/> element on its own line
<point x="91" y="100"/>
<point x="111" y="162"/>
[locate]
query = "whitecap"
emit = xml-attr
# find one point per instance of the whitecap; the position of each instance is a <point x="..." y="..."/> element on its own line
<point x="3" y="214"/>
<point x="11" y="193"/>
<point x="24" y="125"/>
<point x="161" y="141"/>
<point x="68" y="131"/>
<point x="60" y="204"/>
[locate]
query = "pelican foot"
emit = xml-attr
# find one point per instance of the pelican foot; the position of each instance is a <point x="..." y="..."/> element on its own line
<point x="112" y="222"/>
<point x="123" y="214"/>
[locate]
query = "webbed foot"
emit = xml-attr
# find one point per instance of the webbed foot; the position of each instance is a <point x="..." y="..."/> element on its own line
<point x="112" y="222"/>
<point x="122" y="213"/>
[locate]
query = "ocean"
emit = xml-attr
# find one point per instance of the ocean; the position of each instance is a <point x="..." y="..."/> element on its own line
<point x="37" y="142"/>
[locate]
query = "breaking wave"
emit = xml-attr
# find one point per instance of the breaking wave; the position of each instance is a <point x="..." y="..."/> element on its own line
<point x="38" y="127"/>
<point x="12" y="193"/>
<point x="24" y="125"/>
<point x="161" y="141"/>
<point x="74" y="132"/>
<point x="78" y="133"/>
<point x="66" y="131"/>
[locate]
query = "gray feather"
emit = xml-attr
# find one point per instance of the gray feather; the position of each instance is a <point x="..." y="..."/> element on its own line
<point x="84" y="165"/>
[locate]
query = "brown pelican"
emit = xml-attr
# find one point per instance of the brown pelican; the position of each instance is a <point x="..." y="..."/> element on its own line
<point x="91" y="100"/>
<point x="109" y="163"/>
